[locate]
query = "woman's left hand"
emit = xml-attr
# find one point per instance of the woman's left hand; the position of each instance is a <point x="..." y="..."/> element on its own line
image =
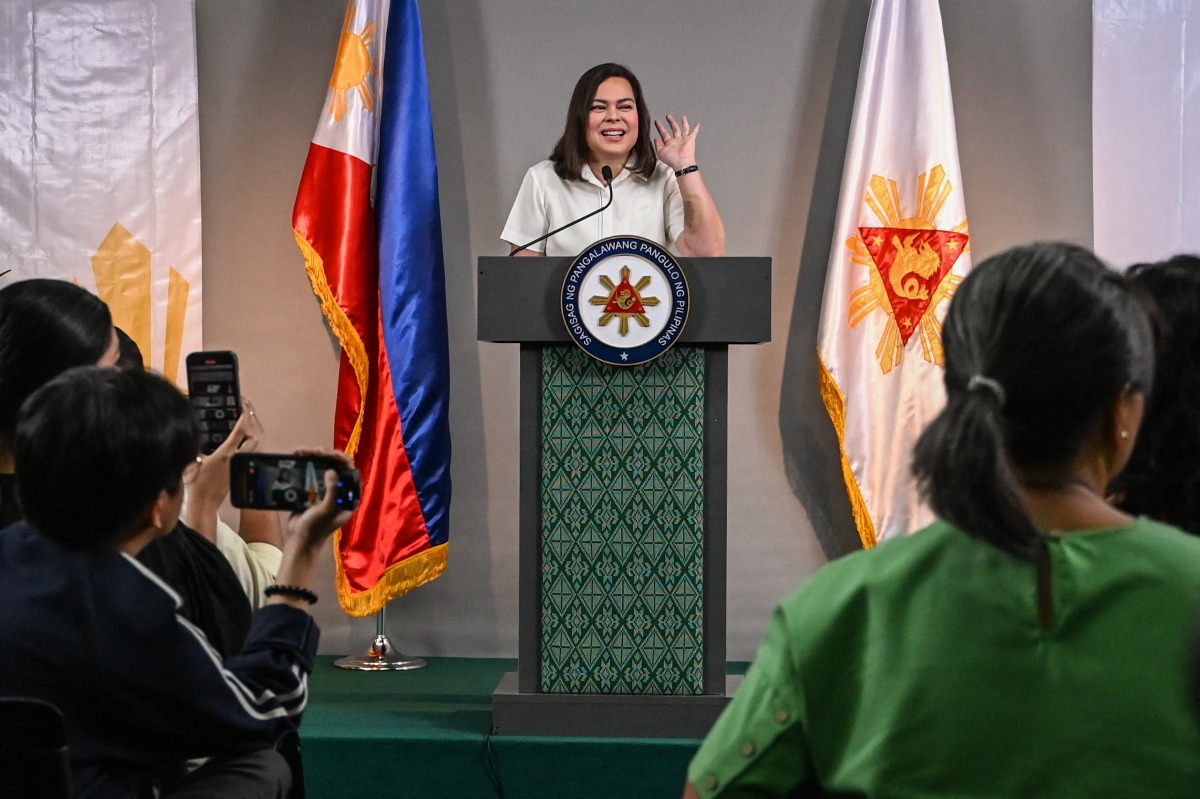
<point x="703" y="233"/>
<point x="676" y="143"/>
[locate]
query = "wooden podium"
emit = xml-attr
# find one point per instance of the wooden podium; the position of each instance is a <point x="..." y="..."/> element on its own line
<point x="622" y="508"/>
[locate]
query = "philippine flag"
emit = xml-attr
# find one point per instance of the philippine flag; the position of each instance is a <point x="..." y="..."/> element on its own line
<point x="379" y="273"/>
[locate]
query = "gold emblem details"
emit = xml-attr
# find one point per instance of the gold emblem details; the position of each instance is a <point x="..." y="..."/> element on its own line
<point x="915" y="264"/>
<point x="624" y="301"/>
<point x="909" y="262"/>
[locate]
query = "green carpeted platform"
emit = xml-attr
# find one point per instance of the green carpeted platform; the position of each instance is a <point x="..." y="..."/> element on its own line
<point x="424" y="734"/>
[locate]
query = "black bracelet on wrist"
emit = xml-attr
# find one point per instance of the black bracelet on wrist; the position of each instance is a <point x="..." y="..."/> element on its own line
<point x="687" y="170"/>
<point x="292" y="591"/>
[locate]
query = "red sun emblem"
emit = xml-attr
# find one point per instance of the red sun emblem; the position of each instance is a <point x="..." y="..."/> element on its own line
<point x="912" y="263"/>
<point x="624" y="298"/>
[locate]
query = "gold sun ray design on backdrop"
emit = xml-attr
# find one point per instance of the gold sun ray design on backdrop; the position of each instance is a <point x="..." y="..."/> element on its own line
<point x="123" y="269"/>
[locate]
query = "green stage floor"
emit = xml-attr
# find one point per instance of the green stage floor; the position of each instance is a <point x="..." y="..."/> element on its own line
<point x="424" y="733"/>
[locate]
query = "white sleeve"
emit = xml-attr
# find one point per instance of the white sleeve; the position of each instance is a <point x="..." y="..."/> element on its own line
<point x="255" y="564"/>
<point x="528" y="219"/>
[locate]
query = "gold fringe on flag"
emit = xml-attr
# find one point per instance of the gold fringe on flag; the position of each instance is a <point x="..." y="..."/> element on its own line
<point x="399" y="579"/>
<point x="835" y="404"/>
<point x="352" y="343"/>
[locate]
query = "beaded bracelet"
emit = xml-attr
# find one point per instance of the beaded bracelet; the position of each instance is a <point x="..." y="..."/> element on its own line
<point x="292" y="591"/>
<point x="687" y="170"/>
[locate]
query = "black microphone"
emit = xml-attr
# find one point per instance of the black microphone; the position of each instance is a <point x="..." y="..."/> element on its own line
<point x="606" y="173"/>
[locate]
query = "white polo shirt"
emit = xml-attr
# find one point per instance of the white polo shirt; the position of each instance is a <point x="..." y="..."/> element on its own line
<point x="648" y="207"/>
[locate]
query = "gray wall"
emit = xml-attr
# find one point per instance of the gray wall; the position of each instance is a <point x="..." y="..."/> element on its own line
<point x="773" y="83"/>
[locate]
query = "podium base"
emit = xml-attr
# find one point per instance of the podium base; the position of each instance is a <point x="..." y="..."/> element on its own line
<point x="605" y="715"/>
<point x="380" y="657"/>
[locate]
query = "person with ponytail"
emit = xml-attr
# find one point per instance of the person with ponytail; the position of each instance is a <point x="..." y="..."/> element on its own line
<point x="1031" y="642"/>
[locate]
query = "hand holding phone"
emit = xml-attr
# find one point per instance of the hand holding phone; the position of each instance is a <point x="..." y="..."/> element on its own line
<point x="215" y="395"/>
<point x="290" y="482"/>
<point x="310" y="528"/>
<point x="210" y="487"/>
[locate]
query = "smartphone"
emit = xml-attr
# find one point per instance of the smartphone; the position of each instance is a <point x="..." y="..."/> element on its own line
<point x="289" y="482"/>
<point x="215" y="396"/>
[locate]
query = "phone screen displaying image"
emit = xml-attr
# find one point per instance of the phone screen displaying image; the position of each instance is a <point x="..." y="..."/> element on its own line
<point x="213" y="391"/>
<point x="282" y="482"/>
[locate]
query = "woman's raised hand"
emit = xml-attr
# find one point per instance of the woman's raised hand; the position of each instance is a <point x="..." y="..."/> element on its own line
<point x="676" y="142"/>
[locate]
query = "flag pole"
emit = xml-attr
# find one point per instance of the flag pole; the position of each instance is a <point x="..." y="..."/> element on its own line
<point x="381" y="655"/>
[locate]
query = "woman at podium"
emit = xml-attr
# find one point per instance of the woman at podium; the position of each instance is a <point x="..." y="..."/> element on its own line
<point x="657" y="189"/>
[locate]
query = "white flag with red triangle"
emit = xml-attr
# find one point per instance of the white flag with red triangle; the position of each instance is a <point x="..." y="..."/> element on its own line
<point x="900" y="247"/>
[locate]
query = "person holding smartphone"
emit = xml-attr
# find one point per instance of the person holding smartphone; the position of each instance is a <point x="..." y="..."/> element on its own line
<point x="152" y="692"/>
<point x="49" y="326"/>
<point x="255" y="548"/>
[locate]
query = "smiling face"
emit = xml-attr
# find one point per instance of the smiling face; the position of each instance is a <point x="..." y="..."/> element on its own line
<point x="612" y="129"/>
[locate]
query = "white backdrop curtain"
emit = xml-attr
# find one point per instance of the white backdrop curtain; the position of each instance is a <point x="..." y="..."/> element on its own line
<point x="1145" y="129"/>
<point x="100" y="160"/>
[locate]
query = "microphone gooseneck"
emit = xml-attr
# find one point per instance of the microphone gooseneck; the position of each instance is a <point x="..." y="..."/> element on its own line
<point x="607" y="173"/>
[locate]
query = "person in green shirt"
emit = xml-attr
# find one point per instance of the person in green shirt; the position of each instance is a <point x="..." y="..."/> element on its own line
<point x="1033" y="641"/>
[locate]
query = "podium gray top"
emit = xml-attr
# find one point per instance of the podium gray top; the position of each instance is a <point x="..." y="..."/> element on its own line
<point x="520" y="300"/>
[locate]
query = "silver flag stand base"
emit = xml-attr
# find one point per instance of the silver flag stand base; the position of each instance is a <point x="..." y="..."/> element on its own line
<point x="381" y="656"/>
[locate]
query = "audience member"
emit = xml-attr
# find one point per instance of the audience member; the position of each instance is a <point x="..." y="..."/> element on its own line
<point x="1162" y="479"/>
<point x="1033" y="641"/>
<point x="255" y="548"/>
<point x="49" y="326"/>
<point x="70" y="327"/>
<point x="88" y="628"/>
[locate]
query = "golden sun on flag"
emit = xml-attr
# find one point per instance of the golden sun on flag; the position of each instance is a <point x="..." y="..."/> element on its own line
<point x="354" y="68"/>
<point x="909" y="262"/>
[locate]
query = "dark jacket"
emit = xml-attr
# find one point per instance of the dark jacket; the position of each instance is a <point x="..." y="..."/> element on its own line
<point x="101" y="637"/>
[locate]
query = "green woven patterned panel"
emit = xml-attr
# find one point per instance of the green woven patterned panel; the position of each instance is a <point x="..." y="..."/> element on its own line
<point x="622" y="524"/>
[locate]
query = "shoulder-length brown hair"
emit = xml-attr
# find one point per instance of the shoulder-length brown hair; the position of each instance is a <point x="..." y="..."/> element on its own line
<point x="570" y="154"/>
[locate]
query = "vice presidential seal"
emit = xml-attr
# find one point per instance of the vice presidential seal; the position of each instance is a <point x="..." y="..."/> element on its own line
<point x="625" y="300"/>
